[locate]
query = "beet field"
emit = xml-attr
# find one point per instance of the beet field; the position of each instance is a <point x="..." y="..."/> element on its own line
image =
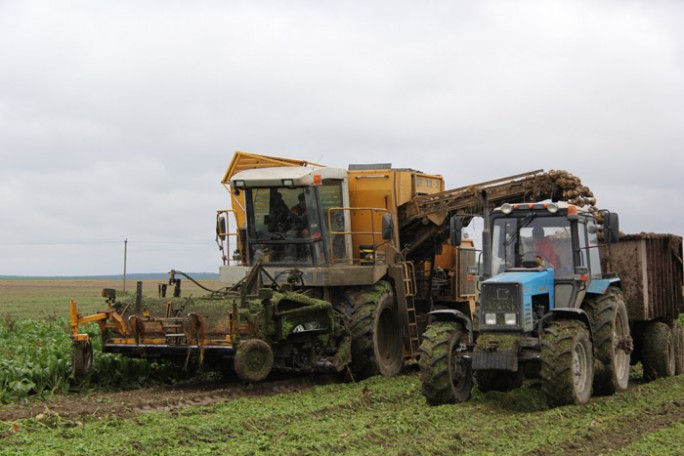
<point x="135" y="407"/>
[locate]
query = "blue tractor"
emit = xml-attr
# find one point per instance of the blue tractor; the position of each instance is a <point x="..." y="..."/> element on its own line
<point x="547" y="309"/>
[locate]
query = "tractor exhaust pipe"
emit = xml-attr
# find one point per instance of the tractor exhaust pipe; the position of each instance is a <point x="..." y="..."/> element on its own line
<point x="486" y="238"/>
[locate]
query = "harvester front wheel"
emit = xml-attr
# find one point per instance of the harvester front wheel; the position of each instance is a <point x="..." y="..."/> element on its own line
<point x="658" y="351"/>
<point x="81" y="359"/>
<point x="253" y="360"/>
<point x="445" y="373"/>
<point x="567" y="363"/>
<point x="612" y="341"/>
<point x="373" y="320"/>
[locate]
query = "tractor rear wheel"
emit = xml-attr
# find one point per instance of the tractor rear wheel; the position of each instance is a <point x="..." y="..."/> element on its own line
<point x="253" y="360"/>
<point x="373" y="319"/>
<point x="612" y="341"/>
<point x="81" y="359"/>
<point x="658" y="351"/>
<point x="498" y="380"/>
<point x="567" y="363"/>
<point x="445" y="373"/>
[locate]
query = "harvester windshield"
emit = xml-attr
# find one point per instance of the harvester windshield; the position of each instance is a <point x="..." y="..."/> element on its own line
<point x="289" y="225"/>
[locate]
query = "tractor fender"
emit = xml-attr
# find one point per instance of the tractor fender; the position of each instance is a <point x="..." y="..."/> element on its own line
<point x="454" y="315"/>
<point x="564" y="314"/>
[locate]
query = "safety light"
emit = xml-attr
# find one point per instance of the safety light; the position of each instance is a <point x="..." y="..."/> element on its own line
<point x="490" y="318"/>
<point x="317" y="179"/>
<point x="506" y="208"/>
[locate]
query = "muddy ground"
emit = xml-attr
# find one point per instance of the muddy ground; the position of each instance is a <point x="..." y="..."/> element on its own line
<point x="97" y="405"/>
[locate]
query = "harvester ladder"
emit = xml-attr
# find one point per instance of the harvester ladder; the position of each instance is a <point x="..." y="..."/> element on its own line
<point x="409" y="278"/>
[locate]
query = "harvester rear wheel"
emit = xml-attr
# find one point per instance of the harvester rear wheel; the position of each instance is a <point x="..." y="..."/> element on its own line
<point x="567" y="363"/>
<point x="498" y="380"/>
<point x="253" y="360"/>
<point x="445" y="374"/>
<point x="373" y="320"/>
<point x="81" y="359"/>
<point x="658" y="351"/>
<point x="612" y="341"/>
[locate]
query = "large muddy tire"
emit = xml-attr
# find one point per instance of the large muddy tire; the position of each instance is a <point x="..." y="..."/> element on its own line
<point x="445" y="374"/>
<point x="612" y="341"/>
<point x="498" y="380"/>
<point x="567" y="363"/>
<point x="678" y="335"/>
<point x="81" y="359"/>
<point x="658" y="351"/>
<point x="253" y="360"/>
<point x="373" y="321"/>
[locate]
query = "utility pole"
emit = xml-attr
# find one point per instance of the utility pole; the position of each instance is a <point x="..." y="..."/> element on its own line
<point x="125" y="253"/>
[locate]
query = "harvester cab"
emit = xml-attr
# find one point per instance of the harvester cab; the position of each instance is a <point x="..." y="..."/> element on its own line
<point x="288" y="218"/>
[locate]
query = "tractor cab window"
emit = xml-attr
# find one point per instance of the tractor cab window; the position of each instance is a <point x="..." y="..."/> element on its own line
<point x="284" y="225"/>
<point x="532" y="241"/>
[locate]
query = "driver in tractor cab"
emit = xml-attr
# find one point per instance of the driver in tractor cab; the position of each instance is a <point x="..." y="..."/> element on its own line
<point x="543" y="248"/>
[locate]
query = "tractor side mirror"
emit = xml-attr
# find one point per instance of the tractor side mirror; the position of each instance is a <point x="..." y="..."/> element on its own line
<point x="387" y="227"/>
<point x="455" y="228"/>
<point x="611" y="227"/>
<point x="221" y="228"/>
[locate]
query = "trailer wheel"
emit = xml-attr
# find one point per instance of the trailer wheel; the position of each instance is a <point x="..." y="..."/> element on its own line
<point x="253" y="360"/>
<point x="498" y="380"/>
<point x="373" y="319"/>
<point x="678" y="335"/>
<point x="81" y="359"/>
<point x="446" y="375"/>
<point x="567" y="363"/>
<point x="612" y="341"/>
<point x="658" y="351"/>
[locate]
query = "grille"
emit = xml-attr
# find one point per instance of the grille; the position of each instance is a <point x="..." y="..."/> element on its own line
<point x="500" y="297"/>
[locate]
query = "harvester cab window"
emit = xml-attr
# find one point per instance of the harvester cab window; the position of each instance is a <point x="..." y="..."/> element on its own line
<point x="331" y="197"/>
<point x="284" y="225"/>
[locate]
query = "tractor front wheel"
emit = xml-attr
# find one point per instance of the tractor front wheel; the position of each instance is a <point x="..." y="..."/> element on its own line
<point x="445" y="373"/>
<point x="567" y="363"/>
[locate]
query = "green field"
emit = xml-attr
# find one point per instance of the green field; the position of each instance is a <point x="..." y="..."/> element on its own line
<point x="132" y="406"/>
<point x="49" y="298"/>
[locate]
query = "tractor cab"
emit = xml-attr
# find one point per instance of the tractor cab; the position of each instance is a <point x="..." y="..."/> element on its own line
<point x="543" y="256"/>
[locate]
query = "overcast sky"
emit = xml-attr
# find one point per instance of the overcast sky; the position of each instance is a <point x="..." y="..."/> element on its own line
<point x="118" y="119"/>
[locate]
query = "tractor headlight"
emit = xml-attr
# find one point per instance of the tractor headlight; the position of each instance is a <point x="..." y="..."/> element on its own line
<point x="506" y="208"/>
<point x="490" y="319"/>
<point x="510" y="319"/>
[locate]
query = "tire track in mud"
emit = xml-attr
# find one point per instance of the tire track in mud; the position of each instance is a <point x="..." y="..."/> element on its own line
<point x="620" y="434"/>
<point x="126" y="404"/>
